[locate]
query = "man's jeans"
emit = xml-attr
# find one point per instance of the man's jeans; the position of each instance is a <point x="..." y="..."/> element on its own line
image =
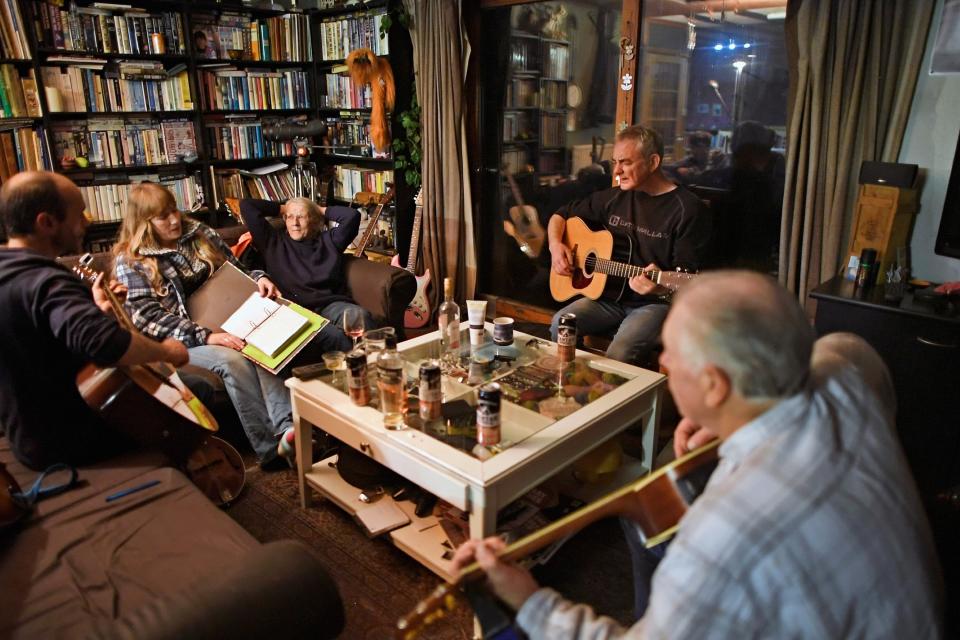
<point x="260" y="398"/>
<point x="637" y="328"/>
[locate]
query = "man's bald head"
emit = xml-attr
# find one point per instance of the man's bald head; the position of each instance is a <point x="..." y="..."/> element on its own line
<point x="30" y="193"/>
<point x="750" y="327"/>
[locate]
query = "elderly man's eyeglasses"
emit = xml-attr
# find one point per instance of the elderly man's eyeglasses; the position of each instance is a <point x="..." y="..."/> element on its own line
<point x="301" y="218"/>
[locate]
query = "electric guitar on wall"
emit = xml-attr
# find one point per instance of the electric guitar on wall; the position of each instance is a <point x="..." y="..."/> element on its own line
<point x="656" y="502"/>
<point x="592" y="252"/>
<point x="418" y="312"/>
<point x="524" y="223"/>
<point x="372" y="224"/>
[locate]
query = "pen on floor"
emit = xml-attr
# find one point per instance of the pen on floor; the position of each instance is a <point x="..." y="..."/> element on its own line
<point x="126" y="492"/>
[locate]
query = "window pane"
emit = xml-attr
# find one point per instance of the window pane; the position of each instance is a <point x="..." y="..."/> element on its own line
<point x="549" y="89"/>
<point x="714" y="85"/>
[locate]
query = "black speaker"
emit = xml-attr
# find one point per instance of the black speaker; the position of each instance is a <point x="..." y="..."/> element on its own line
<point x="889" y="174"/>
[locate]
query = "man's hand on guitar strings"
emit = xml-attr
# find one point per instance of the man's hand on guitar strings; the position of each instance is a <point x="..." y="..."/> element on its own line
<point x="177" y="353"/>
<point x="509" y="582"/>
<point x="561" y="258"/>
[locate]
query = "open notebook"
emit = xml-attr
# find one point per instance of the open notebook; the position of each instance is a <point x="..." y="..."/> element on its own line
<point x="229" y="301"/>
<point x="265" y="324"/>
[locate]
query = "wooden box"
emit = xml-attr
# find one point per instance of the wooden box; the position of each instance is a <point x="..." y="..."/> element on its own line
<point x="882" y="221"/>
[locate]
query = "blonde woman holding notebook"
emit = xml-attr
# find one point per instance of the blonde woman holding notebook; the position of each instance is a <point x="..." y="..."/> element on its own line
<point x="162" y="257"/>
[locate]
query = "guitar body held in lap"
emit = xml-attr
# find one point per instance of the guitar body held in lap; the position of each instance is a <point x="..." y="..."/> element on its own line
<point x="598" y="255"/>
<point x="153" y="407"/>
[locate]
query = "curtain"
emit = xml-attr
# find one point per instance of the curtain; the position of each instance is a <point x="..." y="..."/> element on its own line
<point x="854" y="66"/>
<point x="440" y="55"/>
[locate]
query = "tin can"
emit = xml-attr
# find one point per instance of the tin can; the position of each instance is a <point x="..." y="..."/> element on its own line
<point x="157" y="43"/>
<point x="430" y="392"/>
<point x="488" y="414"/>
<point x="567" y="337"/>
<point x="357" y="377"/>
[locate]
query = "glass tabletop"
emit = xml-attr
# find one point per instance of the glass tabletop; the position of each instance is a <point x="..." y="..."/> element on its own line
<point x="537" y="389"/>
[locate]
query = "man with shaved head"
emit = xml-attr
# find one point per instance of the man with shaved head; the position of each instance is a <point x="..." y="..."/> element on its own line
<point x="810" y="527"/>
<point x="51" y="327"/>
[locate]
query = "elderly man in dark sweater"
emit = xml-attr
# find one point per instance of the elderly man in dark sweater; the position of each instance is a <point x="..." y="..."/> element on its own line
<point x="306" y="260"/>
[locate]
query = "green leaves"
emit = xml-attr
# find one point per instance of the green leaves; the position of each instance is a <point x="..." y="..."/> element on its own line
<point x="407" y="153"/>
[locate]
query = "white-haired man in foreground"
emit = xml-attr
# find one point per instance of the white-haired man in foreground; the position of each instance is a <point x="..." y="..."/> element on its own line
<point x="810" y="527"/>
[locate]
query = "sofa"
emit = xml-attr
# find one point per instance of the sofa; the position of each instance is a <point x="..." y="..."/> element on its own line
<point x="163" y="562"/>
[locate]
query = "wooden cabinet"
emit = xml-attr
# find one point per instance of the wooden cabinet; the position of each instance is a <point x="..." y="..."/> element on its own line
<point x="922" y="350"/>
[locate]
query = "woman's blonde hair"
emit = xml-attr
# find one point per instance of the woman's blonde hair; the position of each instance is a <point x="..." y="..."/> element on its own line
<point x="148" y="200"/>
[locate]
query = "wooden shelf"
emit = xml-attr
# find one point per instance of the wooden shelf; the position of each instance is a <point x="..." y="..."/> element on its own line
<point x="252" y="112"/>
<point x="126" y="168"/>
<point x="18" y="61"/>
<point x="369" y="159"/>
<point x="160" y="57"/>
<point x="246" y="162"/>
<point x="211" y="64"/>
<point x="86" y="115"/>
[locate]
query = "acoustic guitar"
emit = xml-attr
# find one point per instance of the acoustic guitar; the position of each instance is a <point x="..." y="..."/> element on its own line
<point x="524" y="223"/>
<point x="656" y="502"/>
<point x="150" y="404"/>
<point x="372" y="224"/>
<point x="592" y="264"/>
<point x="418" y="312"/>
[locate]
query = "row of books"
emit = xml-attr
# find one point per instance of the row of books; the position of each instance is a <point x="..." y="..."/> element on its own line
<point x="236" y="36"/>
<point x="108" y="202"/>
<point x="341" y="93"/>
<point x="131" y="31"/>
<point x="553" y="95"/>
<point x="348" y="137"/>
<point x="233" y="89"/>
<point x="277" y="186"/>
<point x="13" y="35"/>
<point x="23" y="149"/>
<point x="351" y="179"/>
<point x="553" y="130"/>
<point x="516" y="126"/>
<point x="340" y="36"/>
<point x="116" y="143"/>
<point x="242" y="140"/>
<point x="515" y="160"/>
<point x="18" y="94"/>
<point x="557" y="63"/>
<point x="127" y="86"/>
<point x="522" y="92"/>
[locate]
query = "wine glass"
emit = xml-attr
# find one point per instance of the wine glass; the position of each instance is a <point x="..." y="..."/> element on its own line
<point x="353" y="324"/>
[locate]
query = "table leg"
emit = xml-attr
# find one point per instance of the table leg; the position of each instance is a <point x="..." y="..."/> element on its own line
<point x="304" y="437"/>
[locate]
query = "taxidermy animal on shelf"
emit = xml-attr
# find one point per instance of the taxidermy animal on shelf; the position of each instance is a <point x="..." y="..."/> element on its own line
<point x="367" y="68"/>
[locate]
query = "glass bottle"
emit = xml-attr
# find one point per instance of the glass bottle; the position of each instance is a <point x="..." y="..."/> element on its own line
<point x="393" y="401"/>
<point x="449" y="320"/>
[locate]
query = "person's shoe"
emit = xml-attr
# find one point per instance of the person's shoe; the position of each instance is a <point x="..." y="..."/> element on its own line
<point x="286" y="448"/>
<point x="276" y="463"/>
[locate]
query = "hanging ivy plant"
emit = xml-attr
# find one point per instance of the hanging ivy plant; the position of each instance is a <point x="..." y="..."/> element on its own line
<point x="407" y="152"/>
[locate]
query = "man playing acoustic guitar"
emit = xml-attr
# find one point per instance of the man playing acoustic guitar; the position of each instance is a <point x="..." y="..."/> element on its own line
<point x="51" y="328"/>
<point x="664" y="224"/>
<point x="810" y="527"/>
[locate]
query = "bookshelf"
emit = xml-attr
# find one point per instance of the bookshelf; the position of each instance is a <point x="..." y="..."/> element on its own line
<point x="535" y="105"/>
<point x="111" y="94"/>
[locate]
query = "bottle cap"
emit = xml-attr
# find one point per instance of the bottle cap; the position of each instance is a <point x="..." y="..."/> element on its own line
<point x="868" y="256"/>
<point x="390" y="341"/>
<point x="448" y="287"/>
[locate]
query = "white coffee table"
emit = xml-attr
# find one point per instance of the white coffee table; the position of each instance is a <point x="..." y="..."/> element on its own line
<point x="539" y="446"/>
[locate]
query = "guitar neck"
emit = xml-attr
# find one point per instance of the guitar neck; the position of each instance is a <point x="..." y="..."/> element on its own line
<point x="622" y="269"/>
<point x="611" y="505"/>
<point x="368" y="232"/>
<point x="415" y="240"/>
<point x="515" y="190"/>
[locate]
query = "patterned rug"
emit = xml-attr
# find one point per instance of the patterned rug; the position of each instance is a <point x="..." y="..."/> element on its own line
<point x="379" y="583"/>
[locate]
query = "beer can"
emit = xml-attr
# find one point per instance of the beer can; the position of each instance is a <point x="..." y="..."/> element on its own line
<point x="488" y="414"/>
<point x="357" y="377"/>
<point x="567" y="337"/>
<point x="430" y="391"/>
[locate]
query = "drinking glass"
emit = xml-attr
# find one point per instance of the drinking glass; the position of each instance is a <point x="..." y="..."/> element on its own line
<point x="353" y="324"/>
